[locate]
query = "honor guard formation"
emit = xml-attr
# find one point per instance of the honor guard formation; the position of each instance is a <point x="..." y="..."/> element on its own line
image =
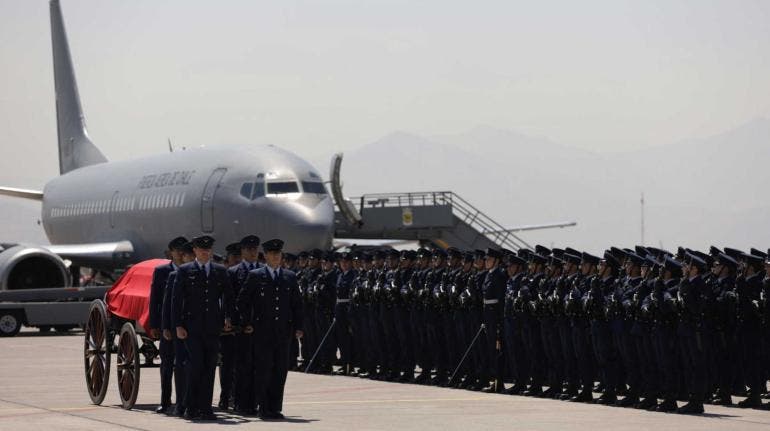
<point x="645" y="328"/>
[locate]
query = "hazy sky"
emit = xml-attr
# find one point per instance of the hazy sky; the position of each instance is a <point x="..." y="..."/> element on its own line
<point x="315" y="76"/>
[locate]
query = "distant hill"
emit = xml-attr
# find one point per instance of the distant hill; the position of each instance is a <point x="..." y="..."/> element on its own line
<point x="697" y="192"/>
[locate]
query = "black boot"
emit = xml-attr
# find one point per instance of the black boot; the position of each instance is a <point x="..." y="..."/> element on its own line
<point x="667" y="406"/>
<point x="608" y="398"/>
<point x="691" y="408"/>
<point x="752" y="402"/>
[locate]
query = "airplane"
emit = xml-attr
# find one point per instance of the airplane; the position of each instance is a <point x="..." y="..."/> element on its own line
<point x="106" y="214"/>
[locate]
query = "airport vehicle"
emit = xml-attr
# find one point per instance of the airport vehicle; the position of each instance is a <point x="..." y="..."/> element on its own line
<point x="116" y="326"/>
<point x="59" y="308"/>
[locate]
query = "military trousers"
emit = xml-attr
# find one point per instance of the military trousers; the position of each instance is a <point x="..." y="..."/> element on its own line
<point x="271" y="359"/>
<point x="203" y="351"/>
<point x="167" y="357"/>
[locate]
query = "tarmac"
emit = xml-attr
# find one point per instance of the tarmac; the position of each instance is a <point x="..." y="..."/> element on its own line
<point x="42" y="387"/>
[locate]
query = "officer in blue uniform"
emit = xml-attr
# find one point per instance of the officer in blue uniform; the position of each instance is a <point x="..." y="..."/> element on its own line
<point x="270" y="307"/>
<point x="748" y="289"/>
<point x="228" y="340"/>
<point x="516" y="354"/>
<point x="493" y="294"/>
<point x="689" y="332"/>
<point x="157" y="293"/>
<point x="344" y="290"/>
<point x="180" y="360"/>
<point x="239" y="369"/>
<point x="202" y="306"/>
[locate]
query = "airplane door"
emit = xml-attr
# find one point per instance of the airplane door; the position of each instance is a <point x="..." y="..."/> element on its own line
<point x="207" y="200"/>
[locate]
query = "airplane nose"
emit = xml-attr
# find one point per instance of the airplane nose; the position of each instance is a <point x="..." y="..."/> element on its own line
<point x="314" y="235"/>
<point x="310" y="227"/>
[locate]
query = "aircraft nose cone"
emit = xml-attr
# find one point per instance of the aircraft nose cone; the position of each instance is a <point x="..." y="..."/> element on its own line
<point x="309" y="227"/>
<point x="314" y="235"/>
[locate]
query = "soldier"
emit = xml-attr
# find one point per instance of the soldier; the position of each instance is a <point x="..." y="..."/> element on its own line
<point x="232" y="254"/>
<point x="748" y="288"/>
<point x="473" y="303"/>
<point x="570" y="276"/>
<point x="405" y="295"/>
<point x="417" y="316"/>
<point x="530" y="326"/>
<point x="202" y="309"/>
<point x="359" y="315"/>
<point x="157" y="294"/>
<point x="764" y="304"/>
<point x="451" y="301"/>
<point x="461" y="308"/>
<point x="228" y="341"/>
<point x="689" y="332"/>
<point x="581" y="336"/>
<point x="516" y="354"/>
<point x="342" y="331"/>
<point x="310" y="339"/>
<point x="388" y="297"/>
<point x="375" y="281"/>
<point x="290" y="262"/>
<point x="724" y="320"/>
<point x="493" y="291"/>
<point x="659" y="308"/>
<point x="180" y="362"/>
<point x="324" y="291"/>
<point x="270" y="307"/>
<point x="601" y="289"/>
<point x="549" y="327"/>
<point x="241" y="349"/>
<point x="433" y="318"/>
<point x="621" y="309"/>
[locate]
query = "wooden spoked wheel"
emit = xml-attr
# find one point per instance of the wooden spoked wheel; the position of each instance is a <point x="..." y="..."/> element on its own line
<point x="96" y="351"/>
<point x="128" y="365"/>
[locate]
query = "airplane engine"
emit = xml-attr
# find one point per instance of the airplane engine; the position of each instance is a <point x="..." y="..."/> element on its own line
<point x="29" y="267"/>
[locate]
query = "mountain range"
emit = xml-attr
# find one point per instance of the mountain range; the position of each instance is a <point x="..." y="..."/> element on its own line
<point x="697" y="193"/>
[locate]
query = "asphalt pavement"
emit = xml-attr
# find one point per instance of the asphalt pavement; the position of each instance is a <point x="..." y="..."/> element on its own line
<point x="42" y="386"/>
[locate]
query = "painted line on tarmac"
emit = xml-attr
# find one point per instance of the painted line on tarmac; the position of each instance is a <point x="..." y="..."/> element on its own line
<point x="62" y="411"/>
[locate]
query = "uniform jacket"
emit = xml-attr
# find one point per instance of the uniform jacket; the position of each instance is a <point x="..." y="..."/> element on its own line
<point x="271" y="307"/>
<point x="201" y="303"/>
<point x="157" y="293"/>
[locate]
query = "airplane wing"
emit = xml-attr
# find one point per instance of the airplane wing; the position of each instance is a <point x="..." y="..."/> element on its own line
<point x="98" y="255"/>
<point x="21" y="193"/>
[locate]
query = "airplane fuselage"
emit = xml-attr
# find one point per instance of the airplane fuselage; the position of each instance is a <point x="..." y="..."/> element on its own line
<point x="224" y="192"/>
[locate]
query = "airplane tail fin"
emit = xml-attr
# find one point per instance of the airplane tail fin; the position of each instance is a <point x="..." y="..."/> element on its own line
<point x="75" y="147"/>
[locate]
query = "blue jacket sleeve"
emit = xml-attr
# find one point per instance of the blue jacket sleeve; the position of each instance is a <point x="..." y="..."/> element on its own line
<point x="177" y="295"/>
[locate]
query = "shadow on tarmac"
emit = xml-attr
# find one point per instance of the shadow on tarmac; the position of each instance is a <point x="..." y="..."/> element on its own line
<point x="223" y="418"/>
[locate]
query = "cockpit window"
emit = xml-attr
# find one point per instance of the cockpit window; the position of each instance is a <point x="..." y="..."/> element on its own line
<point x="259" y="190"/>
<point x="254" y="190"/>
<point x="313" y="187"/>
<point x="246" y="190"/>
<point x="278" y="188"/>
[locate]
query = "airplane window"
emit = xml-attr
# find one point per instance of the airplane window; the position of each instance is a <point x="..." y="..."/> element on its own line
<point x="314" y="175"/>
<point x="313" y="187"/>
<point x="246" y="190"/>
<point x="282" y="187"/>
<point x="259" y="190"/>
